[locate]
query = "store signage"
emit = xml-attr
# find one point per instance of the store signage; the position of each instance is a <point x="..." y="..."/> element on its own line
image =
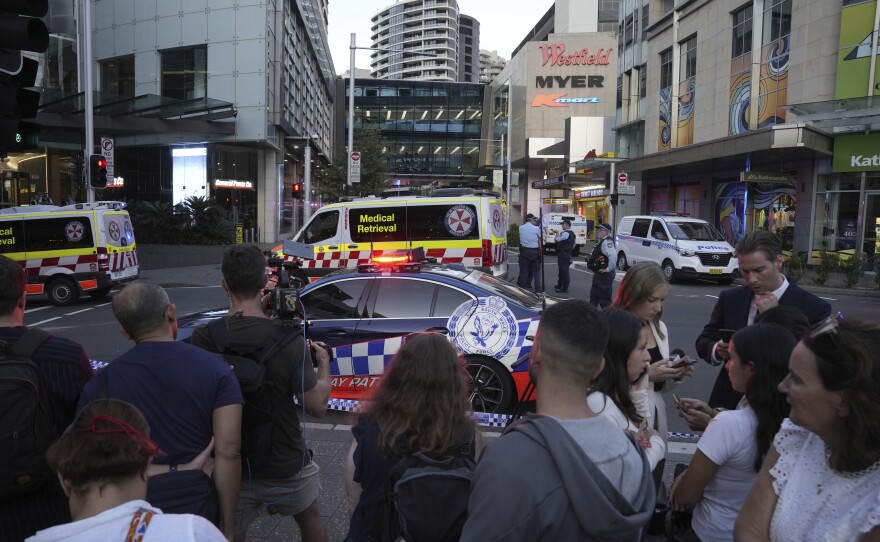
<point x="856" y="153"/>
<point x="591" y="193"/>
<point x="764" y="177"/>
<point x="554" y="54"/>
<point x="117" y="182"/>
<point x="229" y="183"/>
<point x="571" y="81"/>
<point x="557" y="201"/>
<point x="543" y="183"/>
<point x="560" y="100"/>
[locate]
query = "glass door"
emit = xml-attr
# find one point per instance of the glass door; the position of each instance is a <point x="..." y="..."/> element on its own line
<point x="871" y="246"/>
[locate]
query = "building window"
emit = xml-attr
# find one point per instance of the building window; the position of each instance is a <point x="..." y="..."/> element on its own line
<point x="686" y="92"/>
<point x="643" y="81"/>
<point x="742" y="31"/>
<point x="619" y="91"/>
<point x="666" y="69"/>
<point x="628" y="30"/>
<point x="117" y="76"/>
<point x="185" y="73"/>
<point x="777" y="20"/>
<point x="688" y="60"/>
<point x="644" y="23"/>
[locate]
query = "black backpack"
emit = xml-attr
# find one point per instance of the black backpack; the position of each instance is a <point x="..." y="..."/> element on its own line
<point x="427" y="499"/>
<point x="258" y="414"/>
<point x="27" y="426"/>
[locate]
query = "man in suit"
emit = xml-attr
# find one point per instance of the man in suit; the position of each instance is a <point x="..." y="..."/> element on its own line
<point x="759" y="253"/>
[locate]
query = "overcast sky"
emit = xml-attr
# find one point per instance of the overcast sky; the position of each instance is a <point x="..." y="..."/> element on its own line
<point x="503" y="25"/>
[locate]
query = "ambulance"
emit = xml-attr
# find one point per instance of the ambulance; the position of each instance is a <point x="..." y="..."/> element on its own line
<point x="84" y="248"/>
<point x="452" y="225"/>
<point x="552" y="226"/>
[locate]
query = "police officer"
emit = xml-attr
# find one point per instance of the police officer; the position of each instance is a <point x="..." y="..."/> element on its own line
<point x="564" y="245"/>
<point x="603" y="262"/>
<point x="529" y="254"/>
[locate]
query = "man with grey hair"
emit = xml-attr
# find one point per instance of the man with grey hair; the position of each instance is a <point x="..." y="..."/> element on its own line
<point x="574" y="475"/>
<point x="188" y="397"/>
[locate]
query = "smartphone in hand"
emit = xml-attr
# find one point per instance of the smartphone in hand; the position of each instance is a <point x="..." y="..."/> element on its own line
<point x="726" y="334"/>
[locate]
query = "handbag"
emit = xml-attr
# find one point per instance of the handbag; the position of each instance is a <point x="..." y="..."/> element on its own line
<point x="184" y="492"/>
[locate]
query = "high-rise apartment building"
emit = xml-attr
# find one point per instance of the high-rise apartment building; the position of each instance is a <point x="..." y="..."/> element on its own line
<point x="490" y="65"/>
<point x="428" y="36"/>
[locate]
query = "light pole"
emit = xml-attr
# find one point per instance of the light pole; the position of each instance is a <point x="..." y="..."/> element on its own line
<point x="352" y="48"/>
<point x="307" y="179"/>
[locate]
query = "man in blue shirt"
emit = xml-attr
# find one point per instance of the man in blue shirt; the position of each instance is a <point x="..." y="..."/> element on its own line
<point x="564" y="247"/>
<point x="529" y="254"/>
<point x="602" y="262"/>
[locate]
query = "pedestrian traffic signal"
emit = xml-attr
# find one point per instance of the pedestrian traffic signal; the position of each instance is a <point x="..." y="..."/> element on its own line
<point x="614" y="198"/>
<point x="20" y="30"/>
<point x="97" y="171"/>
<point x="296" y="191"/>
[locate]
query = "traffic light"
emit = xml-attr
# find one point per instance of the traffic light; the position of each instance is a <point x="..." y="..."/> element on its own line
<point x="615" y="198"/>
<point x="97" y="171"/>
<point x="296" y="191"/>
<point x="20" y="30"/>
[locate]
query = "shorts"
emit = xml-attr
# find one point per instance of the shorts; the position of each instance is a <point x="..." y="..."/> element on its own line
<point x="285" y="496"/>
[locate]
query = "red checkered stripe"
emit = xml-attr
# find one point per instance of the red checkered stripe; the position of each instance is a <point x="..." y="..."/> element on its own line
<point x="499" y="253"/>
<point x="123" y="260"/>
<point x="333" y="260"/>
<point x="76" y="264"/>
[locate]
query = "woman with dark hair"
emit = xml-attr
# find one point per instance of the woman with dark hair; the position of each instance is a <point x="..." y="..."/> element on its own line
<point x="821" y="477"/>
<point x="620" y="391"/>
<point x="730" y="453"/>
<point x="421" y="406"/>
<point x="102" y="462"/>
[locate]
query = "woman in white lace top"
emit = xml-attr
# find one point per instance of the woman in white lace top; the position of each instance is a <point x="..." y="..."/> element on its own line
<point x="821" y="479"/>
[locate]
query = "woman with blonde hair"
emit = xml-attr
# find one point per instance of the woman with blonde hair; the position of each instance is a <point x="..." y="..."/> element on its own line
<point x="642" y="292"/>
<point x="102" y="462"/>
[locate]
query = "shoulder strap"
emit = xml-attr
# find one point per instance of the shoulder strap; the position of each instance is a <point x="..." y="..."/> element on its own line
<point x="29" y="342"/>
<point x="218" y="333"/>
<point x="282" y="335"/>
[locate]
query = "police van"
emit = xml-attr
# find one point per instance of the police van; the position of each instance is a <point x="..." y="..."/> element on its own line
<point x="84" y="248"/>
<point x="552" y="226"/>
<point x="452" y="225"/>
<point x="682" y="246"/>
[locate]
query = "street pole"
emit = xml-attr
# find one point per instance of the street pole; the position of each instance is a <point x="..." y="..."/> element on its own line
<point x="613" y="191"/>
<point x="352" y="49"/>
<point x="307" y="183"/>
<point x="90" y="107"/>
<point x="509" y="175"/>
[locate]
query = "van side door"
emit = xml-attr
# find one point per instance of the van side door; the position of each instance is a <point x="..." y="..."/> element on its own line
<point x="659" y="242"/>
<point x="641" y="245"/>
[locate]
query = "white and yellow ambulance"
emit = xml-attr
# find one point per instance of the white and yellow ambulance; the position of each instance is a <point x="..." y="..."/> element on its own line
<point x="84" y="248"/>
<point x="468" y="229"/>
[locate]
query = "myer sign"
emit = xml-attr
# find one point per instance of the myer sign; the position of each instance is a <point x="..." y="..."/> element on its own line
<point x="856" y="153"/>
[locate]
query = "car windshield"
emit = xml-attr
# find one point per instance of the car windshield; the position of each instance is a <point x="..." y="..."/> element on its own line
<point x="693" y="231"/>
<point x="506" y="290"/>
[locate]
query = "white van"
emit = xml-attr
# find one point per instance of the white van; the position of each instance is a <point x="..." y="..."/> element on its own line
<point x="456" y="226"/>
<point x="552" y="224"/>
<point x="84" y="248"/>
<point x="683" y="247"/>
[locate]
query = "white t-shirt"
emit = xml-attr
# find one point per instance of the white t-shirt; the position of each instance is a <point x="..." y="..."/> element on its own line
<point x="814" y="502"/>
<point x="603" y="405"/>
<point x="729" y="442"/>
<point x="113" y="524"/>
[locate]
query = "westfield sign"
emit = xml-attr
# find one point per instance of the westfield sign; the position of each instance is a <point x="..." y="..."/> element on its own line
<point x="554" y="54"/>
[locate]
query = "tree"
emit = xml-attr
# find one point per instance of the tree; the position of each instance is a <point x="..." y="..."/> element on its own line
<point x="374" y="170"/>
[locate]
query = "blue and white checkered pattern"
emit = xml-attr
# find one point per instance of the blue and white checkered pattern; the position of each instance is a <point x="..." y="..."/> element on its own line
<point x="523" y="346"/>
<point x="367" y="358"/>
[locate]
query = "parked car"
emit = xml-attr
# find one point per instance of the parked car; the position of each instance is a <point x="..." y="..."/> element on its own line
<point x="365" y="314"/>
<point x="684" y="247"/>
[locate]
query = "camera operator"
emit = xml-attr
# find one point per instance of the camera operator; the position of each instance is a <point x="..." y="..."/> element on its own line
<point x="283" y="476"/>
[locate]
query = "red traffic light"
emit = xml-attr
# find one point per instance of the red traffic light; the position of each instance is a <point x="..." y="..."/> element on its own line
<point x="296" y="187"/>
<point x="101" y="163"/>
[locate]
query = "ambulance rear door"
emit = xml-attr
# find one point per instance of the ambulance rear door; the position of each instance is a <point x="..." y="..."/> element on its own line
<point x="117" y="238"/>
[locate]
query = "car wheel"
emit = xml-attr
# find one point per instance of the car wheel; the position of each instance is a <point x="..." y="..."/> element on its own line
<point x="491" y="386"/>
<point x="669" y="271"/>
<point x="62" y="292"/>
<point x="99" y="293"/>
<point x="621" y="261"/>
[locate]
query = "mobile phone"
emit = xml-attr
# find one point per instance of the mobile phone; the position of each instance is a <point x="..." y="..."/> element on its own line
<point x="676" y="399"/>
<point x="678" y="362"/>
<point x="726" y="334"/>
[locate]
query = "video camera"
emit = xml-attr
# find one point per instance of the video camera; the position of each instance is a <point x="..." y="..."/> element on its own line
<point x="284" y="298"/>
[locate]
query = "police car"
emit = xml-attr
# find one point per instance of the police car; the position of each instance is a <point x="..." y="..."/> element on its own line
<point x="366" y="313"/>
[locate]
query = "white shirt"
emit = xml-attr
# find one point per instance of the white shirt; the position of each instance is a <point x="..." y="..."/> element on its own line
<point x="814" y="502"/>
<point x="779" y="292"/>
<point x="603" y="405"/>
<point x="729" y="442"/>
<point x="112" y="525"/>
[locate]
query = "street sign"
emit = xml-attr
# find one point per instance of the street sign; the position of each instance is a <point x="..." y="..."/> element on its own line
<point x="622" y="177"/>
<point x="627" y="189"/>
<point x="107" y="149"/>
<point x="355" y="161"/>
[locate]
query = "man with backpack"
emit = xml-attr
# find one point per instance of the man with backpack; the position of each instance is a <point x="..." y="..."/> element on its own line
<point x="42" y="377"/>
<point x="188" y="396"/>
<point x="564" y="473"/>
<point x="273" y="365"/>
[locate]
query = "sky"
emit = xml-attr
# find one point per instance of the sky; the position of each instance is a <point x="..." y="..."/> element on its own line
<point x="503" y="25"/>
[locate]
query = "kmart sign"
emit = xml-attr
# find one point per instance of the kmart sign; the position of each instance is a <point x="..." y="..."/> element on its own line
<point x="857" y="153"/>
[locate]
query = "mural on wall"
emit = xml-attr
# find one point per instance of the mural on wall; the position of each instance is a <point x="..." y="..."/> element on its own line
<point x="740" y="89"/>
<point x="730" y="210"/>
<point x="854" y="53"/>
<point x="663" y="143"/>
<point x="687" y="93"/>
<point x="773" y="88"/>
<point x="740" y="206"/>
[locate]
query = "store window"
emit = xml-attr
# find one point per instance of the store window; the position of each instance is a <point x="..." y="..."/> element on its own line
<point x="837" y="227"/>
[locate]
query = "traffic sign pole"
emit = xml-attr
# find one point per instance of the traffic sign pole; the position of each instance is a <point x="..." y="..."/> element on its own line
<point x="354" y="165"/>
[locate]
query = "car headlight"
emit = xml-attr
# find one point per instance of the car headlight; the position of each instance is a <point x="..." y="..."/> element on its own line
<point x="684" y="252"/>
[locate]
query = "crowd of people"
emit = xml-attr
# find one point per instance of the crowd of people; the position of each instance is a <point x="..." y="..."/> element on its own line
<point x="173" y="441"/>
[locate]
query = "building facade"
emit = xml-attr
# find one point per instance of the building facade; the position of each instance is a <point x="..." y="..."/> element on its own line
<point x="490" y="65"/>
<point x="212" y="101"/>
<point x="468" y="49"/>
